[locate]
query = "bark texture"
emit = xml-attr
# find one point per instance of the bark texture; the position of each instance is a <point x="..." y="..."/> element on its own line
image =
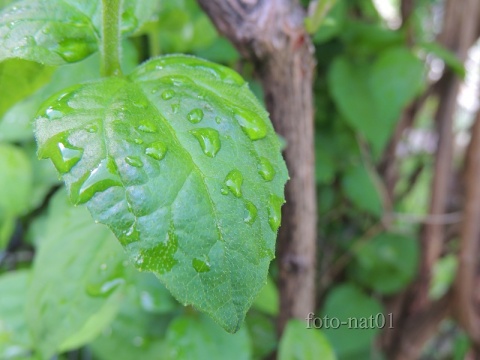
<point x="271" y="34"/>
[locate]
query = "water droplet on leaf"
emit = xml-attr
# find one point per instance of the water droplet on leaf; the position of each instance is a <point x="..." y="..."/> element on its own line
<point x="209" y="140"/>
<point x="195" y="116"/>
<point x="200" y="265"/>
<point x="147" y="127"/>
<point x="104" y="176"/>
<point x="265" y="169"/>
<point x="168" y="94"/>
<point x="250" y="212"/>
<point x="251" y="124"/>
<point x="156" y="150"/>
<point x="274" y="211"/>
<point x="234" y="181"/>
<point x="92" y="128"/>
<point x="75" y="49"/>
<point x="134" y="161"/>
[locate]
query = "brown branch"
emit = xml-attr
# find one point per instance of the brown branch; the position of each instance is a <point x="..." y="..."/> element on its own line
<point x="271" y="35"/>
<point x="459" y="34"/>
<point x="466" y="310"/>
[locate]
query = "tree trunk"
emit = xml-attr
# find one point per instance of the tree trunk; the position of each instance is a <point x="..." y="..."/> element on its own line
<point x="271" y="35"/>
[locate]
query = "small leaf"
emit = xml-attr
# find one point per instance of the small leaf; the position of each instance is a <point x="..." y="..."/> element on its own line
<point x="447" y="56"/>
<point x="197" y="337"/>
<point x="358" y="185"/>
<point x="444" y="271"/>
<point x="357" y="316"/>
<point x="366" y="96"/>
<point x="386" y="263"/>
<point x="20" y="78"/>
<point x="267" y="300"/>
<point x="55" y="32"/>
<point x="196" y="211"/>
<point x="136" y="332"/>
<point x="15" y="180"/>
<point x="77" y="274"/>
<point x="300" y="343"/>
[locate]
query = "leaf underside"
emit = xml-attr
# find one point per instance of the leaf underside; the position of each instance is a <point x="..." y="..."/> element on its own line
<point x="182" y="163"/>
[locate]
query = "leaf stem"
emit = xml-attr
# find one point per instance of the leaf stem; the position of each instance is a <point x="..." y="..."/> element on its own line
<point x="110" y="48"/>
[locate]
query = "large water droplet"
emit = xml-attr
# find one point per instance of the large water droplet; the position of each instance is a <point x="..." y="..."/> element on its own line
<point x="274" y="211"/>
<point x="168" y="94"/>
<point x="251" y="124"/>
<point x="134" y="161"/>
<point x="195" y="116"/>
<point x="200" y="265"/>
<point x="209" y="140"/>
<point x="156" y="150"/>
<point x="147" y="127"/>
<point x="234" y="181"/>
<point x="63" y="154"/>
<point x="250" y="212"/>
<point x="265" y="169"/>
<point x="104" y="176"/>
<point x="75" y="49"/>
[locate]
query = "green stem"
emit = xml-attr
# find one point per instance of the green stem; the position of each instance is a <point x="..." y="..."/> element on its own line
<point x="154" y="42"/>
<point x="110" y="51"/>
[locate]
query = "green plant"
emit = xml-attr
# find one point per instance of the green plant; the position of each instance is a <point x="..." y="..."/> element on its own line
<point x="178" y="158"/>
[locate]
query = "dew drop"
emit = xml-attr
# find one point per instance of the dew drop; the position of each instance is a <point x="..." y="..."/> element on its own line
<point x="274" y="211"/>
<point x="252" y="125"/>
<point x="218" y="120"/>
<point x="134" y="161"/>
<point x="156" y="150"/>
<point x="30" y="40"/>
<point x="92" y="128"/>
<point x="63" y="154"/>
<point x="138" y="141"/>
<point x="234" y="181"/>
<point x="224" y="191"/>
<point x="200" y="265"/>
<point x="209" y="140"/>
<point x="104" y="176"/>
<point x="265" y="169"/>
<point x="168" y="94"/>
<point x="147" y="127"/>
<point x="75" y="49"/>
<point x="130" y="235"/>
<point x="195" y="116"/>
<point x="175" y="107"/>
<point x="250" y="213"/>
<point x="53" y="114"/>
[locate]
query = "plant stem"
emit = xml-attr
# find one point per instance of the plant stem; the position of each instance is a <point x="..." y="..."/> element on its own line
<point x="110" y="51"/>
<point x="154" y="42"/>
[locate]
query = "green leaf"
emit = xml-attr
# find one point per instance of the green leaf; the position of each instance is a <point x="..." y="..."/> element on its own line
<point x="358" y="185"/>
<point x="182" y="163"/>
<point x="15" y="180"/>
<point x="136" y="332"/>
<point x="365" y="94"/>
<point x="300" y="343"/>
<point x="77" y="277"/>
<point x="353" y="309"/>
<point x="197" y="337"/>
<point x="447" y="56"/>
<point x="387" y="263"/>
<point x="55" y="32"/>
<point x="14" y="340"/>
<point x="263" y="334"/>
<point x="267" y="300"/>
<point x="444" y="272"/>
<point x="20" y="78"/>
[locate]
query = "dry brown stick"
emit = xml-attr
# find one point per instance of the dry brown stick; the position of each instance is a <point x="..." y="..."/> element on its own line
<point x="466" y="310"/>
<point x="271" y="34"/>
